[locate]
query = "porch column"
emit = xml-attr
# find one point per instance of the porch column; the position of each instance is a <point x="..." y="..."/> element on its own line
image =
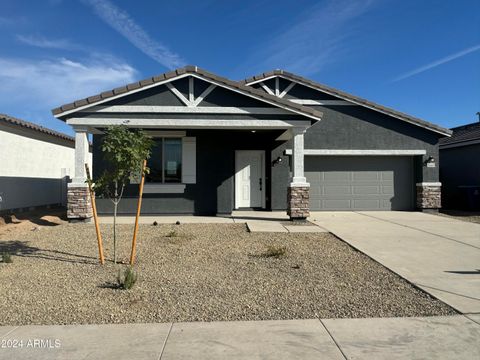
<point x="298" y="190"/>
<point x="79" y="206"/>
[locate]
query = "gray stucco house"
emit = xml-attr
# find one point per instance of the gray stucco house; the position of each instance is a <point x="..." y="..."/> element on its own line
<point x="275" y="141"/>
<point x="460" y="168"/>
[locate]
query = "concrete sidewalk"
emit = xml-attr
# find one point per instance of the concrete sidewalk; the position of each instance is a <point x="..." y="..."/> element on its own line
<point x="454" y="337"/>
<point x="439" y="254"/>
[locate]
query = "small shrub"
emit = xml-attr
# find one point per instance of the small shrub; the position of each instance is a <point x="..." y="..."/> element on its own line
<point x="127" y="279"/>
<point x="7" y="258"/>
<point x="155" y="223"/>
<point x="275" y="251"/>
<point x="172" y="233"/>
<point x="177" y="222"/>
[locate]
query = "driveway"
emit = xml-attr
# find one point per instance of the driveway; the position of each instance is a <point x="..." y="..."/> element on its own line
<point x="438" y="254"/>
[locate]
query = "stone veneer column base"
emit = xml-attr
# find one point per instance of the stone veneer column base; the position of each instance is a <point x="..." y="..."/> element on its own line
<point x="429" y="196"/>
<point x="298" y="202"/>
<point x="79" y="205"/>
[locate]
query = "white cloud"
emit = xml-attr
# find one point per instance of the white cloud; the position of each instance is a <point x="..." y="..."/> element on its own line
<point x="439" y="62"/>
<point x="42" y="42"/>
<point x="123" y="23"/>
<point x="45" y="84"/>
<point x="315" y="40"/>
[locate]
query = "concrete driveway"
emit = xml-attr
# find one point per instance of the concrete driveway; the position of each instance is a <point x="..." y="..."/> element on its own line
<point x="439" y="254"/>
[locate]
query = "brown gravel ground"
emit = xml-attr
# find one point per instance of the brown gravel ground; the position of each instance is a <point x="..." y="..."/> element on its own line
<point x="201" y="272"/>
<point x="469" y="216"/>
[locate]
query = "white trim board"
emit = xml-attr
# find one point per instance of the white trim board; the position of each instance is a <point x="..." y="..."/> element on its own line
<point x="189" y="109"/>
<point x="188" y="123"/>
<point x="429" y="184"/>
<point x="322" y="102"/>
<point x="156" y="188"/>
<point x="360" y="152"/>
<point x="219" y="84"/>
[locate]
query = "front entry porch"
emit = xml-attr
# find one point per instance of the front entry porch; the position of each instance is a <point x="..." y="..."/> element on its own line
<point x="219" y="171"/>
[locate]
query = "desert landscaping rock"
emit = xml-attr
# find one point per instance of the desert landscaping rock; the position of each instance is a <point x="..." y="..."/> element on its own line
<point x="196" y="272"/>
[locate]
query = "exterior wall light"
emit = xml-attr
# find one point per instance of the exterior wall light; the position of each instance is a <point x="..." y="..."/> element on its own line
<point x="277" y="161"/>
<point x="430" y="162"/>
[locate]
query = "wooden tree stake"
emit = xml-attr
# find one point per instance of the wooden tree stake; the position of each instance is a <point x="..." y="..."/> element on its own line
<point x="95" y="216"/>
<point x="135" y="230"/>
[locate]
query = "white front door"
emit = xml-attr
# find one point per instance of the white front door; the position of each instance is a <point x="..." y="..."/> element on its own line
<point x="249" y="178"/>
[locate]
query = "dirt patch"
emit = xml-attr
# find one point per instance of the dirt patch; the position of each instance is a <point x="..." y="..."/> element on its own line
<point x="31" y="220"/>
<point x="197" y="272"/>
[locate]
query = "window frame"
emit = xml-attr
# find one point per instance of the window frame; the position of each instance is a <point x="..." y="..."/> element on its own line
<point x="162" y="139"/>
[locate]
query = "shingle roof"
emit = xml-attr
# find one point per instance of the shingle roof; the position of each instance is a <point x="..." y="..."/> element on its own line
<point x="464" y="133"/>
<point x="348" y="97"/>
<point x="185" y="70"/>
<point x="28" y="125"/>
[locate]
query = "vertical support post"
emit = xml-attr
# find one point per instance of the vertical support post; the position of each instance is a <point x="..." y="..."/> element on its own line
<point x="298" y="156"/>
<point x="95" y="216"/>
<point x="139" y="206"/>
<point x="298" y="190"/>
<point x="81" y="155"/>
<point x="79" y="207"/>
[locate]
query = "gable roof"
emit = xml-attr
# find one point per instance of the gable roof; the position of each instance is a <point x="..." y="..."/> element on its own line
<point x="171" y="76"/>
<point x="10" y="120"/>
<point x="349" y="97"/>
<point x="463" y="134"/>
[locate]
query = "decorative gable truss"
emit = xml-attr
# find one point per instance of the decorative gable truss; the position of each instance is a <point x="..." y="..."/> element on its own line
<point x="279" y="92"/>
<point x="191" y="101"/>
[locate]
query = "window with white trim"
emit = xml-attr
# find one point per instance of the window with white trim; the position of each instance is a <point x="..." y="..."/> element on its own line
<point x="165" y="161"/>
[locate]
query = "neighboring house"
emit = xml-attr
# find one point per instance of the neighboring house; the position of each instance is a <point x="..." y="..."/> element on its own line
<point x="460" y="168"/>
<point x="34" y="165"/>
<point x="276" y="142"/>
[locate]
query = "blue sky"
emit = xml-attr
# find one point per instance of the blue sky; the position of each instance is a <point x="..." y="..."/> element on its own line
<point x="419" y="57"/>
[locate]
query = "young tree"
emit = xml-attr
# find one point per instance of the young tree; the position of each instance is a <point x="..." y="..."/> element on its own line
<point x="123" y="150"/>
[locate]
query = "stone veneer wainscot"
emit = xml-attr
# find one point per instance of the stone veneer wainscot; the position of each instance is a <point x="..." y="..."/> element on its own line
<point x="298" y="202"/>
<point x="429" y="196"/>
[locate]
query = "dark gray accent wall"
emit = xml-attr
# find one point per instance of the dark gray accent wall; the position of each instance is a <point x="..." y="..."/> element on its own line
<point x="459" y="166"/>
<point x="24" y="192"/>
<point x="355" y="127"/>
<point x="214" y="190"/>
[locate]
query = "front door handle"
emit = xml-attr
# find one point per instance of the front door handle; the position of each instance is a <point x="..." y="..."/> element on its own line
<point x="260" y="182"/>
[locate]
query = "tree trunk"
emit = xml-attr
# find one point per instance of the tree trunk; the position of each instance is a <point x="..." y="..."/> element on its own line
<point x="115" y="205"/>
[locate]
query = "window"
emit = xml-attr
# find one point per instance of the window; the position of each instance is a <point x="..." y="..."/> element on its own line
<point x="165" y="161"/>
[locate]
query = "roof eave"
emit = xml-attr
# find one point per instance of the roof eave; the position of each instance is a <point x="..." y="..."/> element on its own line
<point x="70" y="108"/>
<point x="348" y="97"/>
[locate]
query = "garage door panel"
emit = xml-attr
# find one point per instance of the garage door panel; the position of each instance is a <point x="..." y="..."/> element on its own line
<point x="337" y="204"/>
<point x="387" y="175"/>
<point x="366" y="204"/>
<point x="387" y="189"/>
<point x="337" y="190"/>
<point x="360" y="183"/>
<point x="365" y="175"/>
<point x="366" y="190"/>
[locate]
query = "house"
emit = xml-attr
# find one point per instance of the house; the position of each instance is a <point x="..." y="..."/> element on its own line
<point x="35" y="164"/>
<point x="460" y="168"/>
<point x="275" y="141"/>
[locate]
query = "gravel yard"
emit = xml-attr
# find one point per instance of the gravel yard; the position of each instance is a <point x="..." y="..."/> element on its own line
<point x="196" y="272"/>
<point x="469" y="216"/>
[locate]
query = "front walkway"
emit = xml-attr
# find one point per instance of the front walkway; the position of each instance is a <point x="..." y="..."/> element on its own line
<point x="440" y="255"/>
<point x="453" y="337"/>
